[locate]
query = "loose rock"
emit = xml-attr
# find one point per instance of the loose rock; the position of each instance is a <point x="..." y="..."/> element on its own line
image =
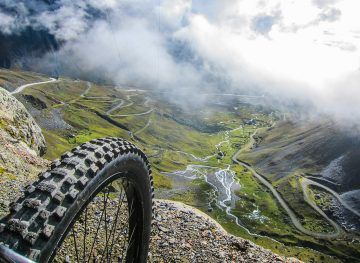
<point x="181" y="234"/>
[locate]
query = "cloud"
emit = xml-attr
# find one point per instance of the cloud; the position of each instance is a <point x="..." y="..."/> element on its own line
<point x="65" y="19"/>
<point x="307" y="51"/>
<point x="173" y="13"/>
<point x="263" y="23"/>
<point x="324" y="3"/>
<point x="6" y="23"/>
<point x="330" y="15"/>
<point x="126" y="57"/>
<point x="346" y="46"/>
<point x="65" y="23"/>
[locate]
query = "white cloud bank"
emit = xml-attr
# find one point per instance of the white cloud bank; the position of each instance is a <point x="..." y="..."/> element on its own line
<point x="308" y="49"/>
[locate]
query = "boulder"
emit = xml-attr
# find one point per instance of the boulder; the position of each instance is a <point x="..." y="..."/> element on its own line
<point x="16" y="123"/>
<point x="21" y="143"/>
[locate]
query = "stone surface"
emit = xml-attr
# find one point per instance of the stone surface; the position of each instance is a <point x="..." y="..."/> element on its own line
<point x="21" y="143"/>
<point x="181" y="233"/>
<point x="18" y="124"/>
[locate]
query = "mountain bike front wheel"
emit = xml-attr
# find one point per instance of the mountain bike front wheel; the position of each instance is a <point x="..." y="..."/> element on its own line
<point x="93" y="205"/>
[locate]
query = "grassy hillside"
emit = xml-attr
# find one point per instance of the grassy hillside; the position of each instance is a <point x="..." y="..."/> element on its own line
<point x="309" y="146"/>
<point x="71" y="112"/>
<point x="292" y="151"/>
<point x="12" y="79"/>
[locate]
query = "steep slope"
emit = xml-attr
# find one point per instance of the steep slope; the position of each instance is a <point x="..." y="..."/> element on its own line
<point x="10" y="79"/>
<point x="21" y="143"/>
<point x="313" y="168"/>
<point x="307" y="147"/>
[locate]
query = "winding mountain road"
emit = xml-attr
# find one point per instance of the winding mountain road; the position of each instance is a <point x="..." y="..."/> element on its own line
<point x="322" y="179"/>
<point x="284" y="205"/>
<point x="305" y="183"/>
<point x="143" y="128"/>
<point x="87" y="90"/>
<point x="116" y="107"/>
<point x="133" y="114"/>
<point x="119" y="105"/>
<point x="22" y="87"/>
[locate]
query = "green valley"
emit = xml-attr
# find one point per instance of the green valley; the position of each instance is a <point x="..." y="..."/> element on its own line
<point x="191" y="151"/>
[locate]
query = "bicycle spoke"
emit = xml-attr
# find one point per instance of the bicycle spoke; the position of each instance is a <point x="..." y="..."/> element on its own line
<point x="113" y="229"/>
<point x="131" y="241"/>
<point x="75" y="244"/>
<point x="96" y="234"/>
<point x="106" y="229"/>
<point x="85" y="233"/>
<point x="124" y="242"/>
<point x="131" y="210"/>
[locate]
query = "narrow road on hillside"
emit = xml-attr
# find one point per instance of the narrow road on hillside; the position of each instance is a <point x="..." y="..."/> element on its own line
<point x="322" y="179"/>
<point x="307" y="182"/>
<point x="116" y="107"/>
<point x="88" y="88"/>
<point x="22" y="87"/>
<point x="284" y="205"/>
<point x="86" y="91"/>
<point x="120" y="105"/>
<point x="133" y="114"/>
<point x="143" y="128"/>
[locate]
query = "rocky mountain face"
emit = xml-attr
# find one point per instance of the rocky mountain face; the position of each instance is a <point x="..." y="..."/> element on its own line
<point x="19" y="50"/>
<point x="319" y="147"/>
<point x="21" y="144"/>
<point x="23" y="41"/>
<point x="18" y="124"/>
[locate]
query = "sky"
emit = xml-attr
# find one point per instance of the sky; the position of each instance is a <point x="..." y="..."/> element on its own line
<point x="307" y="50"/>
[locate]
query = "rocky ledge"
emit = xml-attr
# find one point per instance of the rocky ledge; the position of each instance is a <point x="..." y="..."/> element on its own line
<point x="184" y="234"/>
<point x="21" y="143"/>
<point x="17" y="122"/>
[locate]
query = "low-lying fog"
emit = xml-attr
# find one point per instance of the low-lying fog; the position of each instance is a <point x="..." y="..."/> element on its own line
<point x="305" y="52"/>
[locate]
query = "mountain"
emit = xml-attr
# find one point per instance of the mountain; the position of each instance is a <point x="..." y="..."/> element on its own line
<point x="19" y="50"/>
<point x="192" y="152"/>
<point x="308" y="147"/>
<point x="318" y="159"/>
<point x="195" y="235"/>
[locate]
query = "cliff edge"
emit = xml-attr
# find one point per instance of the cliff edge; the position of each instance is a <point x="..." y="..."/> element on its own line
<point x="21" y="145"/>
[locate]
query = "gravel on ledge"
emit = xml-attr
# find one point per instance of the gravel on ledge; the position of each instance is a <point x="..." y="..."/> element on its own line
<point x="181" y="233"/>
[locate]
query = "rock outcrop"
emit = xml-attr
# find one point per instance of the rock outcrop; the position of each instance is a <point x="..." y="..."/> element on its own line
<point x="17" y="123"/>
<point x="21" y="144"/>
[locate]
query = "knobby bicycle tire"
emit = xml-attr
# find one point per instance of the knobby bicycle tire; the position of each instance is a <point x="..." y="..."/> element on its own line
<point x="40" y="220"/>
